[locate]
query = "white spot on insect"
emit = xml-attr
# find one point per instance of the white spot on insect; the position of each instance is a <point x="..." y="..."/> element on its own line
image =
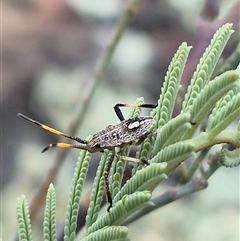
<point x="133" y="125"/>
<point x="143" y="122"/>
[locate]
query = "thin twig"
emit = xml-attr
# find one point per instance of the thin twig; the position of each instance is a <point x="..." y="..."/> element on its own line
<point x="194" y="166"/>
<point x="212" y="165"/>
<point x="170" y="196"/>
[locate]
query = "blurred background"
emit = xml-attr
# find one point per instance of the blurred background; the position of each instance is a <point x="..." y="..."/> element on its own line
<point x="49" y="53"/>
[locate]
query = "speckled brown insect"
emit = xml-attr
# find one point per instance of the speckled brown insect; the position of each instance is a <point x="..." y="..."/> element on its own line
<point x="132" y="131"/>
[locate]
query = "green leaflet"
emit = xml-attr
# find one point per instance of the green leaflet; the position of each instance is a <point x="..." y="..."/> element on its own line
<point x="49" y="223"/>
<point x="122" y="209"/>
<point x="229" y="158"/>
<point x="97" y="190"/>
<point x="78" y="180"/>
<point x="163" y="112"/>
<point x="229" y="63"/>
<point x="174" y="154"/>
<point x="224" y="116"/>
<point x="143" y="154"/>
<point x="112" y="233"/>
<point x="206" y="65"/>
<point x="208" y="96"/>
<point x="24" y="225"/>
<point x="145" y="179"/>
<point x="168" y="133"/>
<point x="222" y="103"/>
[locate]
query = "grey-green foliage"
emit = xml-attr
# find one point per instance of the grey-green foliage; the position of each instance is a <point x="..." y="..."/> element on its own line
<point x="145" y="179"/>
<point x="225" y="112"/>
<point x="172" y="140"/>
<point x="121" y="210"/>
<point x="109" y="233"/>
<point x="208" y="96"/>
<point x="79" y="177"/>
<point x="162" y="114"/>
<point x="49" y="223"/>
<point x="167" y="134"/>
<point x="231" y="62"/>
<point x="97" y="190"/>
<point x="207" y="64"/>
<point x="161" y="147"/>
<point x="229" y="158"/>
<point x="24" y="225"/>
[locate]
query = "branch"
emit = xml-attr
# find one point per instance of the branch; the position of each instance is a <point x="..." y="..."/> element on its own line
<point x="170" y="196"/>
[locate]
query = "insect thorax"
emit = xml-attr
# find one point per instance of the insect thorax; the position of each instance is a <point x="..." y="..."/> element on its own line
<point x="131" y="131"/>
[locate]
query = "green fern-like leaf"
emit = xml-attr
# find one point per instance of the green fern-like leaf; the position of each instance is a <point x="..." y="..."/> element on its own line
<point x="163" y="112"/>
<point x="132" y="203"/>
<point x="97" y="190"/>
<point x="224" y="117"/>
<point x="222" y="103"/>
<point x="112" y="233"/>
<point x="145" y="179"/>
<point x="229" y="158"/>
<point x="209" y="95"/>
<point x="168" y="133"/>
<point x="165" y="148"/>
<point x="230" y="63"/>
<point x="206" y="65"/>
<point x="79" y="177"/>
<point x="174" y="154"/>
<point x="117" y="175"/>
<point x="122" y="209"/>
<point x="23" y="218"/>
<point x="49" y="224"/>
<point x="144" y="151"/>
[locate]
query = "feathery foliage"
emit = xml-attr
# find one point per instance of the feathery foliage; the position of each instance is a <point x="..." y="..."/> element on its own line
<point x="49" y="224"/>
<point x="108" y="234"/>
<point x="122" y="209"/>
<point x="229" y="158"/>
<point x="97" y="190"/>
<point x="207" y="64"/>
<point x="172" y="140"/>
<point x="23" y="218"/>
<point x="79" y="177"/>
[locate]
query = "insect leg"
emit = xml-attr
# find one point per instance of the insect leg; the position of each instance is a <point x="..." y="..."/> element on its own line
<point x="119" y="112"/>
<point x="106" y="175"/>
<point x="131" y="159"/>
<point x="51" y="130"/>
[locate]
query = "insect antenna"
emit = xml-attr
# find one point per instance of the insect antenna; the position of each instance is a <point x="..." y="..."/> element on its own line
<point x="58" y="133"/>
<point x="66" y="145"/>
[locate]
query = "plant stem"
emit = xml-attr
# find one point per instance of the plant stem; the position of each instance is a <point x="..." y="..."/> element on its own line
<point x="173" y="194"/>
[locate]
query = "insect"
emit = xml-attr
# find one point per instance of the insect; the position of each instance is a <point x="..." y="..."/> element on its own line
<point x="132" y="131"/>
